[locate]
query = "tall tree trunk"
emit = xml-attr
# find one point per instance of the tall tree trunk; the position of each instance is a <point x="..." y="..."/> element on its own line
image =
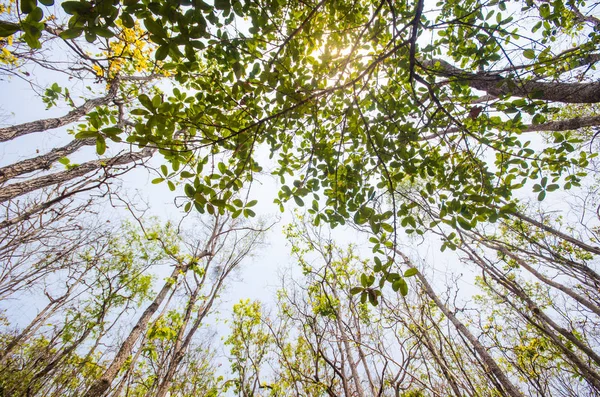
<point x="488" y="360"/>
<point x="590" y="248"/>
<point x="568" y="291"/>
<point x="36" y="323"/>
<point x="17" y="189"/>
<point x="43" y="162"/>
<point x="181" y="348"/>
<point x="18" y="130"/>
<point x="346" y="343"/>
<point x="545" y="324"/>
<point x="585" y="370"/>
<point x="100" y="387"/>
<point x="497" y="85"/>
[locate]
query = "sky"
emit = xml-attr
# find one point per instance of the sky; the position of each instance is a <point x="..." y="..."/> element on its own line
<point x="259" y="277"/>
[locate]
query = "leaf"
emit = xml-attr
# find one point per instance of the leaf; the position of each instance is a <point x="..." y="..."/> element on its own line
<point x="128" y="22"/>
<point x="299" y="201"/>
<point x="410" y="272"/>
<point x="70" y="34"/>
<point x="36" y="15"/>
<point x="372" y="297"/>
<point x="103" y="32"/>
<point x="363" y="297"/>
<point x="356" y="290"/>
<point x="403" y="287"/>
<point x="222" y="4"/>
<point x="542" y="195"/>
<point x="463" y="223"/>
<point x="364" y="280"/>
<point x="47" y="3"/>
<point x="189" y="190"/>
<point x="529" y="54"/>
<point x="28" y="5"/>
<point x="162" y="52"/>
<point x="155" y="28"/>
<point x="100" y="145"/>
<point x="157" y="180"/>
<point x="7" y="28"/>
<point x="76" y="7"/>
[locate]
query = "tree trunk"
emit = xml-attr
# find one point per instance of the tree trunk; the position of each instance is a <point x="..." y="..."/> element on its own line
<point x="32" y="327"/>
<point x="489" y="362"/>
<point x="43" y="162"/>
<point x="497" y="85"/>
<point x="590" y="248"/>
<point x="15" y="131"/>
<point x="100" y="386"/>
<point x="546" y="324"/>
<point x="585" y="302"/>
<point x="17" y="189"/>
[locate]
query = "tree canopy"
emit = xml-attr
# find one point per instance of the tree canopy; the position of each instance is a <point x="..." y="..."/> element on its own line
<point x="462" y="122"/>
<point x="356" y="100"/>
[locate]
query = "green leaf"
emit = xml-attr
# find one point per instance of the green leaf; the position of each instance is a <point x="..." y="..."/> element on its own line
<point x="155" y="28"/>
<point x="76" y="7"/>
<point x="410" y="272"/>
<point x="28" y="5"/>
<point x="542" y="195"/>
<point x="401" y="286"/>
<point x="8" y="28"/>
<point x="356" y="290"/>
<point x="162" y="52"/>
<point x="157" y="180"/>
<point x="103" y="32"/>
<point x="222" y="4"/>
<point x="189" y="190"/>
<point x="372" y="297"/>
<point x="128" y="22"/>
<point x="529" y="54"/>
<point x="100" y="145"/>
<point x="463" y="223"/>
<point x="299" y="201"/>
<point x="47" y="3"/>
<point x="364" y="280"/>
<point x="70" y="34"/>
<point x="363" y="297"/>
<point x="36" y="15"/>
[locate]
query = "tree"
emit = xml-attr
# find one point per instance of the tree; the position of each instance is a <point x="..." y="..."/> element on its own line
<point x="371" y="104"/>
<point x="78" y="332"/>
<point x="327" y="337"/>
<point x="388" y="116"/>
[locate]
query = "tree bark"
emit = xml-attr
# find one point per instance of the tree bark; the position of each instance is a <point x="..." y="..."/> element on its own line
<point x="490" y="363"/>
<point x="585" y="302"/>
<point x="100" y="386"/>
<point x="497" y="85"/>
<point x="17" y="189"/>
<point x="590" y="248"/>
<point x="18" y="130"/>
<point x="42" y="162"/>
<point x="558" y="125"/>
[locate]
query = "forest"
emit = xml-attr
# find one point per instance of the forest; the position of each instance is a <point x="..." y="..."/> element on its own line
<point x="299" y="198"/>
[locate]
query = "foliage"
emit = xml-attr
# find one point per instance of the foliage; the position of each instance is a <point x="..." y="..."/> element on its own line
<point x="354" y="99"/>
